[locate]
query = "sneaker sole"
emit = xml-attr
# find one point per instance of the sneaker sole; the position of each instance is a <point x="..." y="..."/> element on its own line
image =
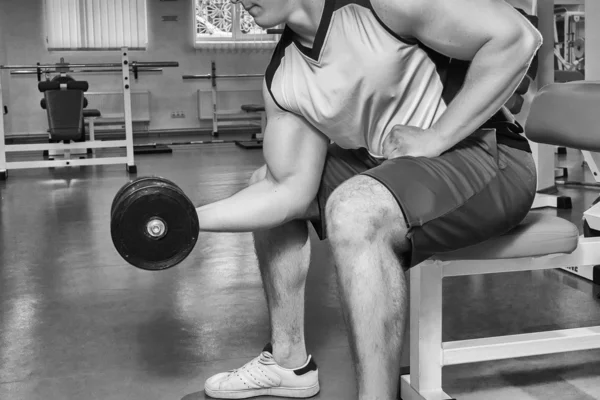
<point x="297" y="393"/>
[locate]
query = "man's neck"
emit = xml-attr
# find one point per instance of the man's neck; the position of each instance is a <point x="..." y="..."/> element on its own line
<point x="305" y="20"/>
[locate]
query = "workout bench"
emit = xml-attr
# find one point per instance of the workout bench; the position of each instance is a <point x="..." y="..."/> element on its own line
<point x="257" y="139"/>
<point x="564" y="115"/>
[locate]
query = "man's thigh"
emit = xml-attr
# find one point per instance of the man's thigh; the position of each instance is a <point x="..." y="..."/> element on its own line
<point x="340" y="166"/>
<point x="474" y="192"/>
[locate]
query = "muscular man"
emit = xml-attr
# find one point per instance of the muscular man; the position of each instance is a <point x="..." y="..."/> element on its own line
<point x="410" y="172"/>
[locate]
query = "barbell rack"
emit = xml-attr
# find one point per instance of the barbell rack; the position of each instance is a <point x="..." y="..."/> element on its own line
<point x="213" y="77"/>
<point x="125" y="67"/>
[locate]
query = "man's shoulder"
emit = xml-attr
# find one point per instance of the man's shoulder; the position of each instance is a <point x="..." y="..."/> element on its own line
<point x="399" y="16"/>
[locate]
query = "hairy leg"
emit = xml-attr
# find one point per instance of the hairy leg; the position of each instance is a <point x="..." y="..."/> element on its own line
<point x="367" y="231"/>
<point x="284" y="257"/>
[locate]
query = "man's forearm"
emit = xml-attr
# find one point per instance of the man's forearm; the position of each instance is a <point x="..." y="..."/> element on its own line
<point x="260" y="206"/>
<point x="494" y="74"/>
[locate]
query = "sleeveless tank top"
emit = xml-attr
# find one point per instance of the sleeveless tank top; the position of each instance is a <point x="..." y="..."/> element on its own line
<point x="360" y="79"/>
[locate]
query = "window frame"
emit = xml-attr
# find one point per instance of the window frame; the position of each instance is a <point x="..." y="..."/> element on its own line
<point x="238" y="38"/>
<point x="84" y="37"/>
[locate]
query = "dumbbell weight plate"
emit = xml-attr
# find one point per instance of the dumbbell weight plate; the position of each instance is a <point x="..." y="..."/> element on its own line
<point x="136" y="183"/>
<point x="579" y="47"/>
<point x="164" y="207"/>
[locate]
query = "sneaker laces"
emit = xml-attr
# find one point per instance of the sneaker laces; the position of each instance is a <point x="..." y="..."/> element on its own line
<point x="264" y="358"/>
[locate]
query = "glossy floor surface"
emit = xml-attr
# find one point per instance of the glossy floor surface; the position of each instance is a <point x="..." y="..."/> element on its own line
<point x="76" y="322"/>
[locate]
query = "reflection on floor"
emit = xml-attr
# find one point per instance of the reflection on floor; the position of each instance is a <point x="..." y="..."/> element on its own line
<point x="77" y="323"/>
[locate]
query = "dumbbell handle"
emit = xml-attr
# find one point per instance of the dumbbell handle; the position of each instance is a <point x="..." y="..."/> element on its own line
<point x="156" y="228"/>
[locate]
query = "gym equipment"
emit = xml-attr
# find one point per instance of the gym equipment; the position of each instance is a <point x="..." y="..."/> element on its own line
<point x="570" y="51"/>
<point x="562" y="76"/>
<point x="579" y="48"/>
<point x="540" y="242"/>
<point x="117" y="197"/>
<point x="213" y="77"/>
<point x="592" y="159"/>
<point x="154" y="225"/>
<point x="549" y="126"/>
<point x="590" y="217"/>
<point x="135" y="67"/>
<point x="126" y="67"/>
<point x="64" y="103"/>
<point x="257" y="141"/>
<point x="592" y="274"/>
<point x="544" y="155"/>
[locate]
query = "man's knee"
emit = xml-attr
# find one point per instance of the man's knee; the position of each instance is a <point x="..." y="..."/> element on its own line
<point x="363" y="210"/>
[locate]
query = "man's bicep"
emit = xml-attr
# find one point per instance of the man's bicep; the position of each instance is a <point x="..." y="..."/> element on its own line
<point x="294" y="151"/>
<point x="458" y="28"/>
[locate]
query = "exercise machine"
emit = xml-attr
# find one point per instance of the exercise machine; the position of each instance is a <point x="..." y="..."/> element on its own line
<point x="257" y="138"/>
<point x="587" y="137"/>
<point x="220" y="117"/>
<point x="570" y="52"/>
<point x="65" y="104"/>
<point x="126" y="67"/>
<point x="544" y="155"/>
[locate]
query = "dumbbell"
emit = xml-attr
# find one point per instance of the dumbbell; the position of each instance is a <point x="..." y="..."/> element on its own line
<point x="154" y="225"/>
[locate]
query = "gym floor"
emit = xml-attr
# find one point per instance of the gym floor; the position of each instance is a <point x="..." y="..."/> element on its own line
<point x="76" y="322"/>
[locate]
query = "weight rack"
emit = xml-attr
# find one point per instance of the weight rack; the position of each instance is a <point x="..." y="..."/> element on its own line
<point x="126" y="67"/>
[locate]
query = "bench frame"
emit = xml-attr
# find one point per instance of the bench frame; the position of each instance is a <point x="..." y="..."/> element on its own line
<point x="429" y="354"/>
<point x="128" y="159"/>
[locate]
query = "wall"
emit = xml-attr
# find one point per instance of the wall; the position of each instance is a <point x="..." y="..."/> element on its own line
<point x="168" y="41"/>
<point x="592" y="34"/>
<point x="3" y="79"/>
<point x="2" y="41"/>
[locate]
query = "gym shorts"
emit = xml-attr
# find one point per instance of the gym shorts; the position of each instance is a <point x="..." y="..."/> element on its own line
<point x="475" y="191"/>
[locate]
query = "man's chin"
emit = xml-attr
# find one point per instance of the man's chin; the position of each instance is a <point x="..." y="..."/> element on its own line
<point x="265" y="26"/>
<point x="258" y="22"/>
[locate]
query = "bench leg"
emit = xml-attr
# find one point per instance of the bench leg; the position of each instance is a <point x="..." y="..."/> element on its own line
<point x="263" y="124"/>
<point x="550" y="200"/>
<point x="92" y="132"/>
<point x="425" y="379"/>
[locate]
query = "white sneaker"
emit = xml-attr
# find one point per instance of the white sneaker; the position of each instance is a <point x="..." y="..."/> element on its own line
<point x="263" y="377"/>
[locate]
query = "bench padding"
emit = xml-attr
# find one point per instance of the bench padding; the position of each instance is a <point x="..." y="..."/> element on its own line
<point x="55" y="85"/>
<point x="538" y="235"/>
<point x="566" y="114"/>
<point x="91" y="113"/>
<point x="253" y="108"/>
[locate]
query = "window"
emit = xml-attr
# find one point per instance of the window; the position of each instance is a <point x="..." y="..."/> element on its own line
<point x="96" y="24"/>
<point x="220" y="21"/>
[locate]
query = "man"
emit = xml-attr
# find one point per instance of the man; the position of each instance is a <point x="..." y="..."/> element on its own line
<point x="409" y="173"/>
